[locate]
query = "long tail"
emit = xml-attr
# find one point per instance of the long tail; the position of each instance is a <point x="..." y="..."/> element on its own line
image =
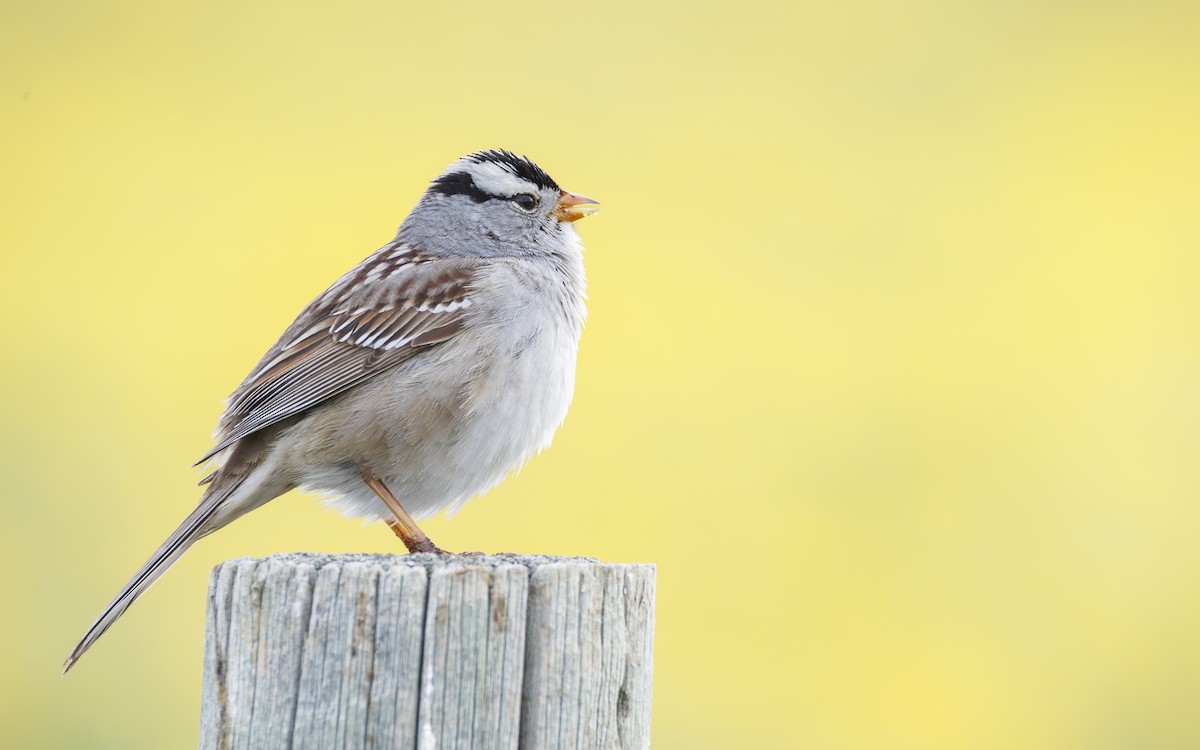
<point x="194" y="526"/>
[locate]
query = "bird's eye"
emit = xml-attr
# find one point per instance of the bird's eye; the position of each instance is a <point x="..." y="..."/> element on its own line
<point x="525" y="201"/>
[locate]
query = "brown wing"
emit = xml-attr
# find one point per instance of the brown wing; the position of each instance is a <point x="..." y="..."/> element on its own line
<point x="367" y="323"/>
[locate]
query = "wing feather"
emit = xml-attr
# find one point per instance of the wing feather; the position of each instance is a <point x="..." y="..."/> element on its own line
<point x="335" y="345"/>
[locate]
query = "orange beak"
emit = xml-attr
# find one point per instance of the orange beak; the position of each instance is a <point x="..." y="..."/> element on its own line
<point x="572" y="207"/>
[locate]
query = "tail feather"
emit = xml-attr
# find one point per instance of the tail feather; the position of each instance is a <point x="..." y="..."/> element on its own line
<point x="193" y="527"/>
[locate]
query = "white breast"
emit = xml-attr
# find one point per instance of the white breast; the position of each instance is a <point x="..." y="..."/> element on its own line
<point x="520" y="392"/>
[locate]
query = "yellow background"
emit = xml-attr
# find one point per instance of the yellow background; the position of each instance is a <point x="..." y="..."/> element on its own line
<point x="892" y="364"/>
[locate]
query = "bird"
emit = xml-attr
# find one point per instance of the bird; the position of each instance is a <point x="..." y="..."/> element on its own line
<point x="420" y="379"/>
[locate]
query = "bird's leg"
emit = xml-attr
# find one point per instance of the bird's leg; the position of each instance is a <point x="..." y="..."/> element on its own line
<point x="404" y="526"/>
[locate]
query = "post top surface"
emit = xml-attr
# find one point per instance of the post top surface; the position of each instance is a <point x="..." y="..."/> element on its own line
<point x="428" y="561"/>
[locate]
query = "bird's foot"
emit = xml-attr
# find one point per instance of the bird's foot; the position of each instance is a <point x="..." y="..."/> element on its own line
<point x="424" y="544"/>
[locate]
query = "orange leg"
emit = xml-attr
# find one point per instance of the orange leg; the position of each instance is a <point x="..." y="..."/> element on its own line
<point x="404" y="526"/>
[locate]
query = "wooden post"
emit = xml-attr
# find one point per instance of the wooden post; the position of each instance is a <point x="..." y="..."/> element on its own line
<point x="427" y="652"/>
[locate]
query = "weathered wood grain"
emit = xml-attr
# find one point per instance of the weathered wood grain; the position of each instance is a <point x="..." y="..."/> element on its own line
<point x="426" y="652"/>
<point x="588" y="656"/>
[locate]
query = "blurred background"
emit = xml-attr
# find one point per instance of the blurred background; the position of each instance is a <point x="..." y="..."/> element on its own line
<point x="892" y="364"/>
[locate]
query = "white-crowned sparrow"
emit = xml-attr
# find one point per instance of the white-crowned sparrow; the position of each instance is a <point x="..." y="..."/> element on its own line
<point x="422" y="377"/>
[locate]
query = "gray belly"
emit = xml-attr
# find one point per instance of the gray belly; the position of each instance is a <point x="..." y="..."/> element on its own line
<point x="446" y="426"/>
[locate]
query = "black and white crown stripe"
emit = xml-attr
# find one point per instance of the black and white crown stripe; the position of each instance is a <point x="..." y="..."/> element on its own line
<point x="492" y="174"/>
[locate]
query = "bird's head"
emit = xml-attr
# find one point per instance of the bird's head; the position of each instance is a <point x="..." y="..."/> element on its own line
<point x="495" y="203"/>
